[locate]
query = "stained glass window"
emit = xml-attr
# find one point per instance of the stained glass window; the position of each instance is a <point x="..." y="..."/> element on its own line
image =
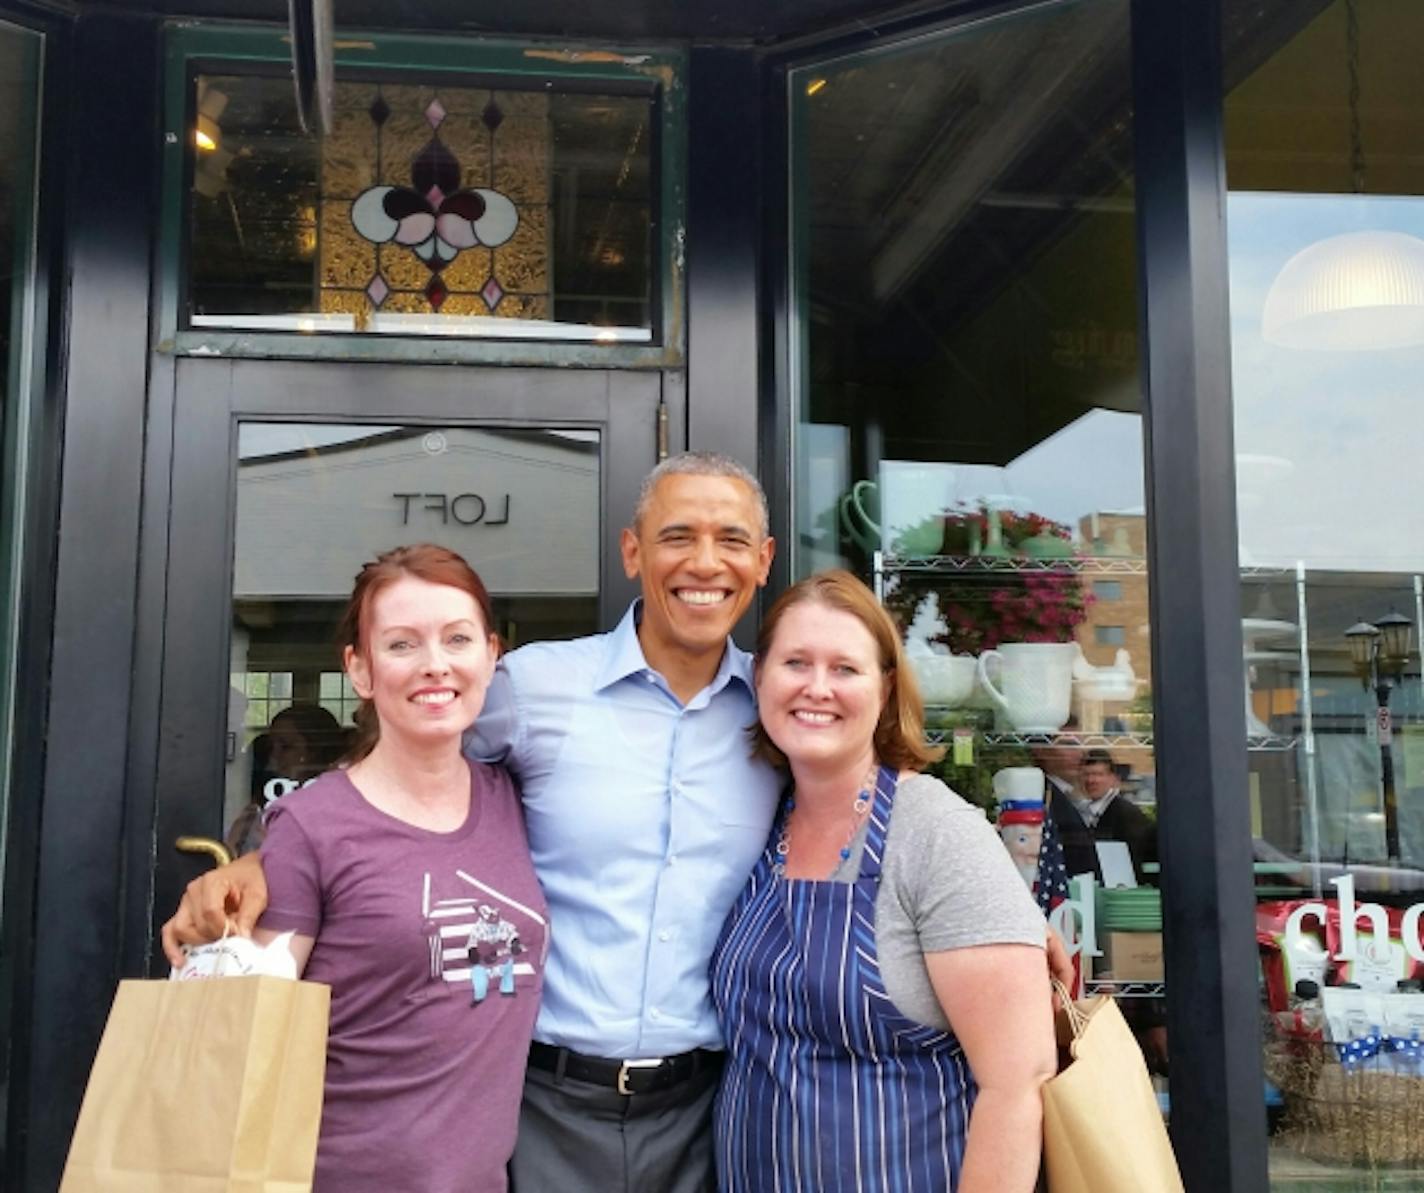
<point x="429" y="210"/>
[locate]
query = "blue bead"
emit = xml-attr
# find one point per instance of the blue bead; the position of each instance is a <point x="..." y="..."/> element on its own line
<point x="845" y="854"/>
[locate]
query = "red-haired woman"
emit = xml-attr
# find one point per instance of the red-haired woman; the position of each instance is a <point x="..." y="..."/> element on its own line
<point x="881" y="981"/>
<point x="404" y="882"/>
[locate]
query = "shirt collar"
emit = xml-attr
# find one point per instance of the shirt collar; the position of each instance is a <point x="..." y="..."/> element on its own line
<point x="1096" y="807"/>
<point x="624" y="657"/>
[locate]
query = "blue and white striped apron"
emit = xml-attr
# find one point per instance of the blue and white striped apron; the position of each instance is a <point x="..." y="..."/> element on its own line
<point x="827" y="1086"/>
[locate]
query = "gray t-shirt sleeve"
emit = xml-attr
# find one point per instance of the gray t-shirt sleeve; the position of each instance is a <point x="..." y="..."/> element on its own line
<point x="951" y="875"/>
<point x="947" y="882"/>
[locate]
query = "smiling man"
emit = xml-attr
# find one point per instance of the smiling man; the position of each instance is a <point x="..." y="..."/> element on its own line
<point x="646" y="812"/>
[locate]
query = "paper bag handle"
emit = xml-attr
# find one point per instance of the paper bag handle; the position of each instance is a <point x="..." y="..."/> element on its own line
<point x="1077" y="1017"/>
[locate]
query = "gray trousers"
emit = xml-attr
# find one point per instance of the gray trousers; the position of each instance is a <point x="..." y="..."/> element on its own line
<point x="576" y="1137"/>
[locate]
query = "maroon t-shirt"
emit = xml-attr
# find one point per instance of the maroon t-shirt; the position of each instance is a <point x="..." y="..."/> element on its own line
<point x="433" y="945"/>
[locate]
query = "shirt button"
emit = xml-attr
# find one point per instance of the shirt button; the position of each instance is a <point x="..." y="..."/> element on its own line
<point x="672" y="859"/>
<point x="665" y="935"/>
<point x="655" y="1014"/>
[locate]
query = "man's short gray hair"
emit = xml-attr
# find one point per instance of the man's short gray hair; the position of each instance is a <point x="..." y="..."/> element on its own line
<point x="701" y="464"/>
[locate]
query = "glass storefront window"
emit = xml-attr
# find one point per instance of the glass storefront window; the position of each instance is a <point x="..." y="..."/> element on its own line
<point x="1324" y="116"/>
<point x="315" y="502"/>
<point x="20" y="335"/>
<point x="430" y="210"/>
<point x="969" y="433"/>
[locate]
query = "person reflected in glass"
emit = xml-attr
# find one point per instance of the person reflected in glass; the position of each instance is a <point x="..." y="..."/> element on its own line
<point x="880" y="982"/>
<point x="306" y="740"/>
<point x="302" y="742"/>
<point x="382" y="873"/>
<point x="1095" y="811"/>
<point x="1061" y="765"/>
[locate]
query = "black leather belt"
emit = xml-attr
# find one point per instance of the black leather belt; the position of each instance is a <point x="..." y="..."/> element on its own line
<point x="626" y="1076"/>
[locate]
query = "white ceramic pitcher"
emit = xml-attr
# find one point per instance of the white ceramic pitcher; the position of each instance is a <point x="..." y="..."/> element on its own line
<point x="1037" y="679"/>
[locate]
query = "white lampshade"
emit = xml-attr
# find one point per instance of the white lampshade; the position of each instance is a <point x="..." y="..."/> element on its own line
<point x="1356" y="291"/>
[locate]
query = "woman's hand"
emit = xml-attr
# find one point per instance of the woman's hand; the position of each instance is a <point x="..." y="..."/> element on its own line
<point x="230" y="898"/>
<point x="994" y="999"/>
<point x="1060" y="964"/>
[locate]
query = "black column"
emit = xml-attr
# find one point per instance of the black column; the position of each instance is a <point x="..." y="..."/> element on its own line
<point x="723" y="227"/>
<point x="1218" y="1116"/>
<point x="110" y="218"/>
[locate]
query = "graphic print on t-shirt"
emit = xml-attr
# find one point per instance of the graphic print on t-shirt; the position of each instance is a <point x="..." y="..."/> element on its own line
<point x="480" y="935"/>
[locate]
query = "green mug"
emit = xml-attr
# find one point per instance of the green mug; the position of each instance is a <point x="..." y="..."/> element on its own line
<point x="860" y="513"/>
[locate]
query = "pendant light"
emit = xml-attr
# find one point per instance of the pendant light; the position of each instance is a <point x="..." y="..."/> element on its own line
<point x="1356" y="291"/>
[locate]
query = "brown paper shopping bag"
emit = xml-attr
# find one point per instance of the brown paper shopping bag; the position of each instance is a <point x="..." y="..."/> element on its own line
<point x="1102" y="1129"/>
<point x="209" y="1086"/>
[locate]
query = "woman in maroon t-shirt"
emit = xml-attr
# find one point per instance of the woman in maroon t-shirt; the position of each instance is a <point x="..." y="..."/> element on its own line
<point x="404" y="882"/>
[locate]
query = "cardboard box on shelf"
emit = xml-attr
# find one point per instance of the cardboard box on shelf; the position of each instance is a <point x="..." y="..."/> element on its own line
<point x="1132" y="957"/>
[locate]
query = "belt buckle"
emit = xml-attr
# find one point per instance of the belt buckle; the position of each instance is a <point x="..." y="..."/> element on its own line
<point x="623" y="1071"/>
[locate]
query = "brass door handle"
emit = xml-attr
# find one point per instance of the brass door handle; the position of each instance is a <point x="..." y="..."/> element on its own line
<point x="216" y="850"/>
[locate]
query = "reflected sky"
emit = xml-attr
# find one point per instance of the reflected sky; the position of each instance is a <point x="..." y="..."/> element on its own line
<point x="1331" y="444"/>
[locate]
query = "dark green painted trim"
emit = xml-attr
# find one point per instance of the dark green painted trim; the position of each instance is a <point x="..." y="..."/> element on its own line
<point x="24" y="390"/>
<point x="461" y="55"/>
<point x="570" y="66"/>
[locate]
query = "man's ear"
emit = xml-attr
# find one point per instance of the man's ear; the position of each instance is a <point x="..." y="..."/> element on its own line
<point x="629" y="548"/>
<point x="767" y="551"/>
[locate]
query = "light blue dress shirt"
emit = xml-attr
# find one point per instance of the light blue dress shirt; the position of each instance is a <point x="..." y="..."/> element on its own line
<point x="645" y="818"/>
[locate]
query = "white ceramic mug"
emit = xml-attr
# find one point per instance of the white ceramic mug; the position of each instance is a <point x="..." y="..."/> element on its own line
<point x="1018" y="783"/>
<point x="1037" y="680"/>
<point x="945" y="680"/>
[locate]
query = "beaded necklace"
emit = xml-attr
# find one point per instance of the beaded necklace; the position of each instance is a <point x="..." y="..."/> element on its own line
<point x="860" y="807"/>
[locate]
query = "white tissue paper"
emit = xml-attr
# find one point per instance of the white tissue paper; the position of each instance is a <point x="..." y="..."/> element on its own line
<point x="237" y="956"/>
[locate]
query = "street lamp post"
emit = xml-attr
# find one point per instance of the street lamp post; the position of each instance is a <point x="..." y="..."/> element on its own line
<point x="1379" y="653"/>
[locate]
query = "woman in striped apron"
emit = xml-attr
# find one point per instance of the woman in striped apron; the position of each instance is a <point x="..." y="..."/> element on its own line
<point x="881" y="980"/>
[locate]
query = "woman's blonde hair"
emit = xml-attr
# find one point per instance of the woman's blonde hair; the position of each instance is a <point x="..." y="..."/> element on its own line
<point x="900" y="733"/>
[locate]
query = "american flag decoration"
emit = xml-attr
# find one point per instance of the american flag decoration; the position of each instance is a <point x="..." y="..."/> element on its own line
<point x="1050" y="888"/>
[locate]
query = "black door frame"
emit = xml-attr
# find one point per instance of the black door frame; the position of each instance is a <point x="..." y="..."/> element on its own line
<point x="64" y="879"/>
<point x="179" y="722"/>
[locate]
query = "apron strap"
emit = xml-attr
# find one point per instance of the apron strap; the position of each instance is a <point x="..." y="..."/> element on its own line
<point x="886" y="780"/>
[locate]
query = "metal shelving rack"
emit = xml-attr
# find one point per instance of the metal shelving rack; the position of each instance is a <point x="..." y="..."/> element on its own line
<point x="886" y="566"/>
<point x="1124" y="989"/>
<point x="1076" y="565"/>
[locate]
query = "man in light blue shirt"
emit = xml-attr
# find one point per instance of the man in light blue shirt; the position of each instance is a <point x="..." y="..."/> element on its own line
<point x="646" y="813"/>
<point x="645" y="816"/>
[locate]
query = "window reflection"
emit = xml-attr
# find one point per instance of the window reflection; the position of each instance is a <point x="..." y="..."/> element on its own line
<point x="315" y="502"/>
<point x="970" y="433"/>
<point x="1326" y="236"/>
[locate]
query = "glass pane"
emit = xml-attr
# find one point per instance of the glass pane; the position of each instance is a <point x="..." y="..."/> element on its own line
<point x="1324" y="117"/>
<point x="970" y="435"/>
<point x="449" y="210"/>
<point x="315" y="502"/>
<point x="20" y="74"/>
